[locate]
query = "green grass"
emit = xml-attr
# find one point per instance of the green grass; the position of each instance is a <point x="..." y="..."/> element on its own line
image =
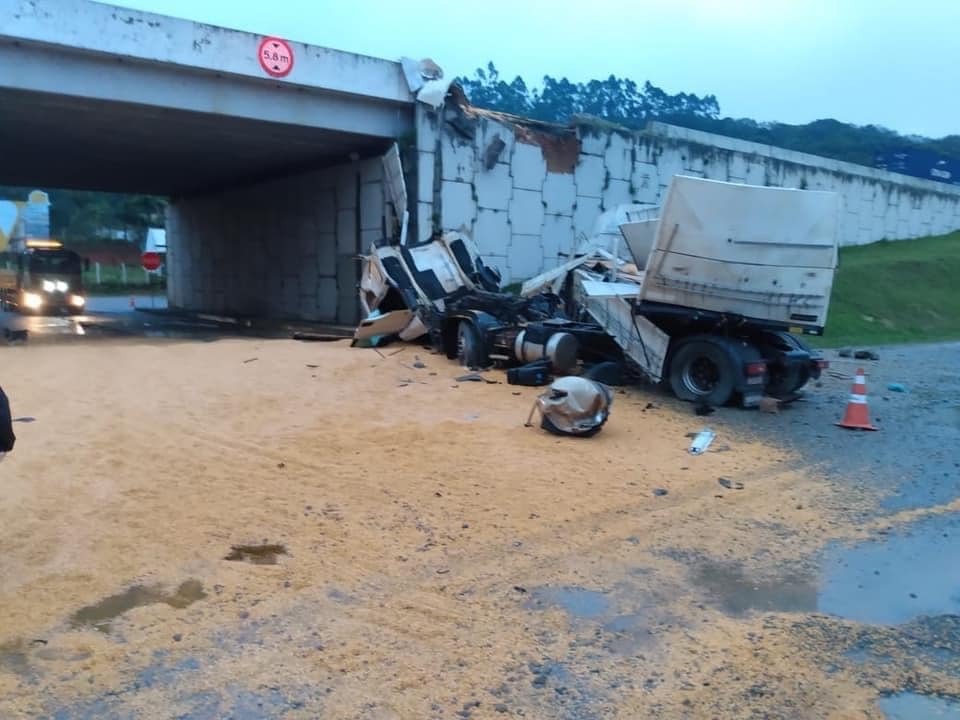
<point x="896" y="292"/>
<point x="111" y="281"/>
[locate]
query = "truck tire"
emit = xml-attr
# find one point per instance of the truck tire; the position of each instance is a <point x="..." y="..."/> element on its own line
<point x="701" y="371"/>
<point x="469" y="346"/>
<point x="788" y="381"/>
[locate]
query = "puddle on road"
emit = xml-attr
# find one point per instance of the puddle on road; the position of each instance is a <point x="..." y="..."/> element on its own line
<point x="908" y="573"/>
<point x="266" y="554"/>
<point x="912" y="706"/>
<point x="13" y="658"/>
<point x="578" y="602"/>
<point x="101" y="614"/>
<point x="738" y="594"/>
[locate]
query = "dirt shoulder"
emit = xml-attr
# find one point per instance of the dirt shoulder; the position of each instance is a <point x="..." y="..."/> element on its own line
<point x="441" y="560"/>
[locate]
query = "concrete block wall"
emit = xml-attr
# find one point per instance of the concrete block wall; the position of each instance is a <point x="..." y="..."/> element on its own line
<point x="526" y="201"/>
<point x="283" y="249"/>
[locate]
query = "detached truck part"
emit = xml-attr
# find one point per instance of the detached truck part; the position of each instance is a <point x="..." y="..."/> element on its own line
<point x="730" y="276"/>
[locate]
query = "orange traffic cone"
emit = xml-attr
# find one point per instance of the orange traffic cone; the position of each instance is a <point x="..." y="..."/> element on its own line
<point x="857" y="416"/>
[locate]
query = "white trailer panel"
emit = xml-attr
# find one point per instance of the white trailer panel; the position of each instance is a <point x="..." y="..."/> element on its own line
<point x="766" y="253"/>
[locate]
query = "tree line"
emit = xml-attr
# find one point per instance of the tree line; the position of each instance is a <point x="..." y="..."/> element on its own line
<point x="81" y="216"/>
<point x="625" y="102"/>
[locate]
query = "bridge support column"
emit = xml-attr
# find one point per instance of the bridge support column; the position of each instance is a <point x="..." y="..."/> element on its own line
<point x="282" y="249"/>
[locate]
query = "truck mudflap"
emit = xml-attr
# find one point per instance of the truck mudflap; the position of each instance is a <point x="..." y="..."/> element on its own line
<point x="791" y="364"/>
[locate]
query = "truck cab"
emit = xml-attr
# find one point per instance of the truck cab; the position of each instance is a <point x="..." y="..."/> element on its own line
<point x="42" y="277"/>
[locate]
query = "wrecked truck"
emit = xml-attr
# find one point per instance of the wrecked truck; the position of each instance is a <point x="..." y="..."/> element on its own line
<point x="708" y="294"/>
<point x="444" y="290"/>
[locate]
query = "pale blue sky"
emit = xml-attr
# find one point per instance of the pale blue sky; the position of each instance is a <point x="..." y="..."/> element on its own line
<point x="893" y="63"/>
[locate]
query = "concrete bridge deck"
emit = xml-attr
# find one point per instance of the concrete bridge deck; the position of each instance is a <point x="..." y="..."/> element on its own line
<point x="104" y="98"/>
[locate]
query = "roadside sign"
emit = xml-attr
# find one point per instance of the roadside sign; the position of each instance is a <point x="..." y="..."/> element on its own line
<point x="150" y="261"/>
<point x="276" y="57"/>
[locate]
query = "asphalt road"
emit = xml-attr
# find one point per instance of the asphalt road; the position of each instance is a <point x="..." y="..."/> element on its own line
<point x="904" y="580"/>
<point x="104" y="315"/>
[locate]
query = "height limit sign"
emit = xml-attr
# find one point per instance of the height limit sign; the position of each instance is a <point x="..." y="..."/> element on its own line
<point x="276" y="57"/>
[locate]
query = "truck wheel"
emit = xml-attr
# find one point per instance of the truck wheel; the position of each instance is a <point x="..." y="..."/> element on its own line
<point x="783" y="383"/>
<point x="469" y="346"/>
<point x="702" y="372"/>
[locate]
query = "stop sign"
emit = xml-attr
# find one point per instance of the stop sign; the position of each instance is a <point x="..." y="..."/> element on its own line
<point x="150" y="261"/>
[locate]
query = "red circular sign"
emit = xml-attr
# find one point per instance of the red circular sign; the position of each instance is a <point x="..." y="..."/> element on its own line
<point x="276" y="56"/>
<point x="150" y="261"/>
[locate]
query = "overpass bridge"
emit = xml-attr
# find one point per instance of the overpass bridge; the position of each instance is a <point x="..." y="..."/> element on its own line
<point x="269" y="150"/>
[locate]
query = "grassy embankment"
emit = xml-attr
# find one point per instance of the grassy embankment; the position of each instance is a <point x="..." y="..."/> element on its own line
<point x="895" y="292"/>
<point x="111" y="281"/>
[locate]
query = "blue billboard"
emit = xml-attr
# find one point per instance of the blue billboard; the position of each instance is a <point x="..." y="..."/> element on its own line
<point x="922" y="164"/>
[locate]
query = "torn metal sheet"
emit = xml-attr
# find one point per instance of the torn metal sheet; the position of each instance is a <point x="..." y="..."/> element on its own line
<point x="607" y="303"/>
<point x="396" y="193"/>
<point x="416" y="328"/>
<point x="385" y="325"/>
<point x="702" y="441"/>
<point x="640" y="237"/>
<point x="412" y="74"/>
<point x="537" y="284"/>
<point x="594" y="288"/>
<point x="434" y="92"/>
<point x="373" y="284"/>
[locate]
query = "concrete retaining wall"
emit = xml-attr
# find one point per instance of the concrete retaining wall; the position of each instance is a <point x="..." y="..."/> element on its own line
<point x="518" y="190"/>
<point x="281" y="249"/>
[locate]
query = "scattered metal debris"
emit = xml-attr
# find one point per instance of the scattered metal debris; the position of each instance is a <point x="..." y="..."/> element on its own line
<point x="317" y="337"/>
<point x="701" y="441"/>
<point x="769" y="405"/>
<point x="573" y="406"/>
<point x="730" y="484"/>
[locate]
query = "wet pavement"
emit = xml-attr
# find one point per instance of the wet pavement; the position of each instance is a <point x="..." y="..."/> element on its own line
<point x="145" y="316"/>
<point x="913" y="460"/>
<point x="904" y="578"/>
<point x="896" y="577"/>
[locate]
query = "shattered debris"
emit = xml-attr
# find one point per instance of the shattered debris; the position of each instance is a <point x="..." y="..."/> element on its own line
<point x="425" y="79"/>
<point x="573" y="406"/>
<point x="649" y="295"/>
<point x="769" y="405"/>
<point x="701" y="442"/>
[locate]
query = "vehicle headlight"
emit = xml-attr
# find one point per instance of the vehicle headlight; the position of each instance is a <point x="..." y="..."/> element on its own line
<point x="49" y="286"/>
<point x="77" y="300"/>
<point x="32" y="301"/>
<point x="62" y="286"/>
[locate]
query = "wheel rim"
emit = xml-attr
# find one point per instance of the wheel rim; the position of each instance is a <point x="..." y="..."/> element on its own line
<point x="701" y="376"/>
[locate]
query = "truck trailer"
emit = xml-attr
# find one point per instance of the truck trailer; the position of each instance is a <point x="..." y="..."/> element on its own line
<point x="723" y="282"/>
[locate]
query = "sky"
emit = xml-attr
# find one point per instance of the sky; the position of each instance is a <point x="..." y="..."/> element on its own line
<point x="884" y="62"/>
